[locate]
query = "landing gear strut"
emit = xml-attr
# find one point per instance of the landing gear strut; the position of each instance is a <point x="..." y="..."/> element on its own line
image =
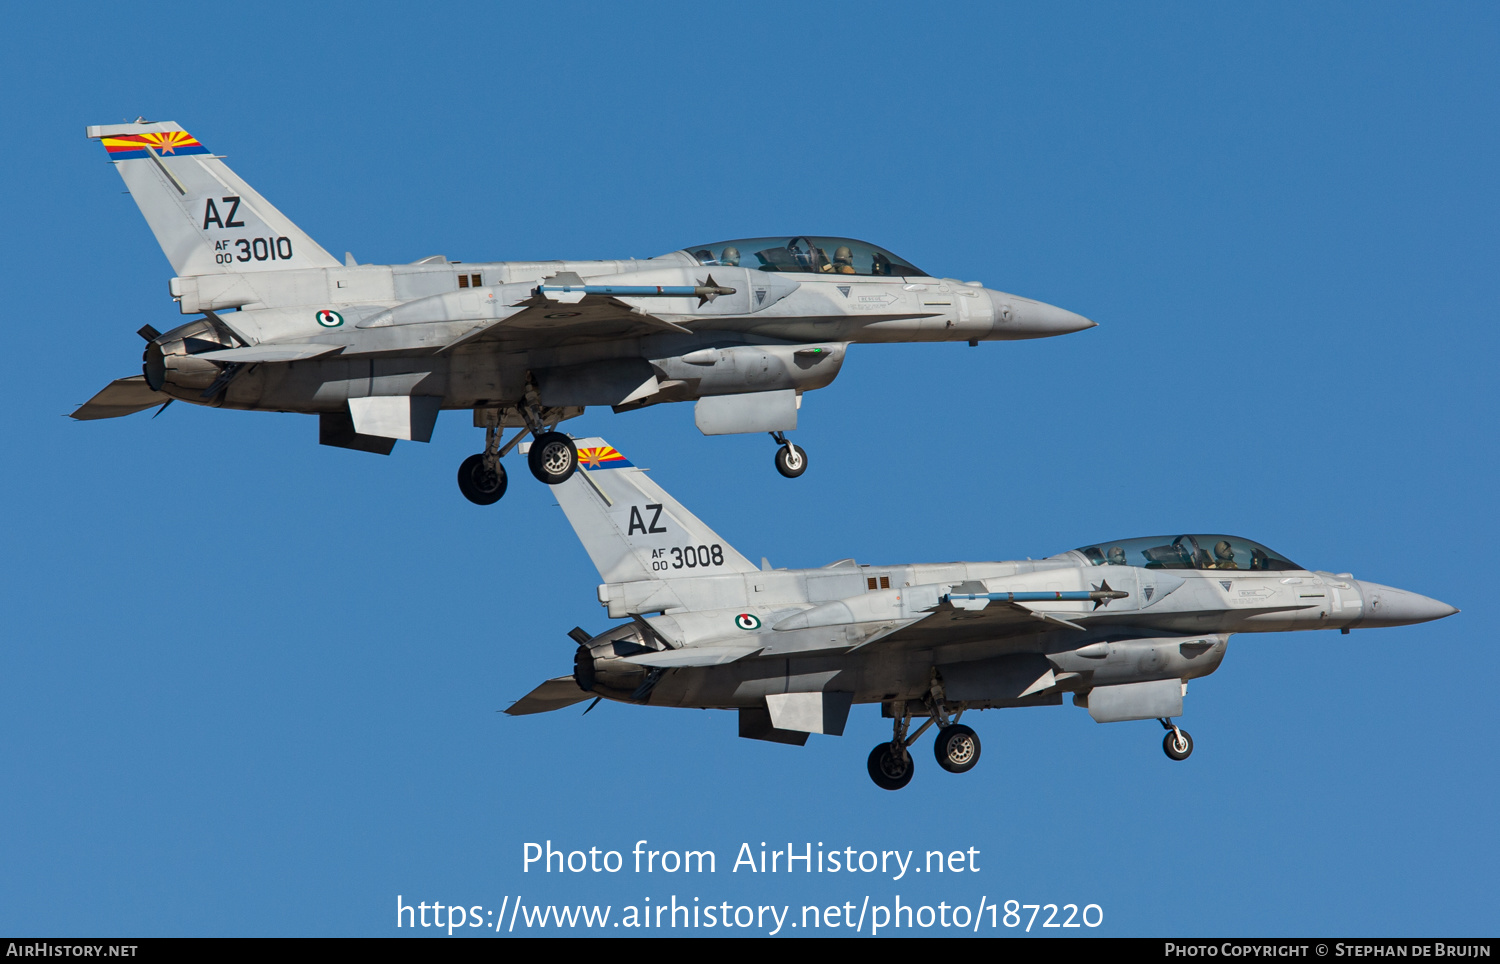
<point x="552" y="459"/>
<point x="956" y="746"/>
<point x="481" y="478"/>
<point x="791" y="461"/>
<point x="1177" y="744"/>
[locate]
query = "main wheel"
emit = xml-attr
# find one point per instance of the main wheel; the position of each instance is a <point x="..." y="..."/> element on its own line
<point x="1178" y="748"/>
<point x="791" y="461"/>
<point x="479" y="484"/>
<point x="957" y="748"/>
<point x="889" y="771"/>
<point x="552" y="458"/>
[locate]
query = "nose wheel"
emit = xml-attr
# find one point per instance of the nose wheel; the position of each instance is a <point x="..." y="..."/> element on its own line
<point x="1178" y="743"/>
<point x="791" y="461"/>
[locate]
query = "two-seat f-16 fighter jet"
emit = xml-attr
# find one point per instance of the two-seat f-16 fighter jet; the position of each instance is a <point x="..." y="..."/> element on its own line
<point x="743" y="328"/>
<point x="1122" y="625"/>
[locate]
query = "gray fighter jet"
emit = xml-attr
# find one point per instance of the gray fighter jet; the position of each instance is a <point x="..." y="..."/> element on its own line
<point x="743" y="328"/>
<point x="1121" y="625"/>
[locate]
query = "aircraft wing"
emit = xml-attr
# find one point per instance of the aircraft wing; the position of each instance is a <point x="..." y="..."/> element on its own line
<point x="552" y="695"/>
<point x="949" y="624"/>
<point x="123" y="396"/>
<point x="543" y="321"/>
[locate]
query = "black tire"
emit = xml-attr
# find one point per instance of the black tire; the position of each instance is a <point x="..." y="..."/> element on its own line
<point x="791" y="461"/>
<point x="1175" y="750"/>
<point x="888" y="772"/>
<point x="956" y="748"/>
<point x="553" y="458"/>
<point x="480" y="485"/>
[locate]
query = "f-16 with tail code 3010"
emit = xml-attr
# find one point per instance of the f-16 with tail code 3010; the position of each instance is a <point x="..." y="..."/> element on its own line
<point x="743" y="328"/>
<point x="1120" y="626"/>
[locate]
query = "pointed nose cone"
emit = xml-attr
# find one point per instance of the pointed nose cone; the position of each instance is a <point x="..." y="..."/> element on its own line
<point x="1017" y="318"/>
<point x="1386" y="606"/>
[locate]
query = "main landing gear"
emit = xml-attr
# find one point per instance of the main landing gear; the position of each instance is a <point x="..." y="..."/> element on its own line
<point x="553" y="457"/>
<point x="956" y="746"/>
<point x="1177" y="744"/>
<point x="791" y="461"/>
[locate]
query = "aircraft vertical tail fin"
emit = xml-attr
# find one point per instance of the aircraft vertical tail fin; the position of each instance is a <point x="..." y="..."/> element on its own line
<point x="206" y="219"/>
<point x="631" y="528"/>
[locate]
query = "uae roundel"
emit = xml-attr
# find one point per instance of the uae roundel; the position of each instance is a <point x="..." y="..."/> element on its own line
<point x="746" y="621"/>
<point x="329" y="319"/>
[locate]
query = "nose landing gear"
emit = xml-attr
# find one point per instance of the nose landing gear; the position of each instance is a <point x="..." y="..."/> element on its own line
<point x="791" y="461"/>
<point x="1177" y="744"/>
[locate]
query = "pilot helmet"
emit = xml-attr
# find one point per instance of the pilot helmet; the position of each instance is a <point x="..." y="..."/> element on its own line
<point x="842" y="255"/>
<point x="731" y="257"/>
<point x="1224" y="550"/>
<point x="1116" y="556"/>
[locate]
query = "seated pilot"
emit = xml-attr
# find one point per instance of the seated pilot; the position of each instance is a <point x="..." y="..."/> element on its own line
<point x="1224" y="555"/>
<point x="1116" y="556"/>
<point x="730" y="257"/>
<point x="843" y="260"/>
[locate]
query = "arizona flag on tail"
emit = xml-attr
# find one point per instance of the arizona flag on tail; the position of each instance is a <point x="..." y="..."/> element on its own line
<point x="601" y="457"/>
<point x="125" y="147"/>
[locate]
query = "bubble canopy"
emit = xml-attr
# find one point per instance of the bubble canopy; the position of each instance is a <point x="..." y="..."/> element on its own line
<point x="1195" y="551"/>
<point x="807" y="254"/>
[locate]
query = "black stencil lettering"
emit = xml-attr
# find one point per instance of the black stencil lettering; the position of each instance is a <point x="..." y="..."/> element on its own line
<point x="654" y="518"/>
<point x="636" y="522"/>
<point x="244" y="247"/>
<point x="210" y="214"/>
<point x="234" y="205"/>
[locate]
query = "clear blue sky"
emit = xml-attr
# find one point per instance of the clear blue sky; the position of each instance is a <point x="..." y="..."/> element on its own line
<point x="251" y="684"/>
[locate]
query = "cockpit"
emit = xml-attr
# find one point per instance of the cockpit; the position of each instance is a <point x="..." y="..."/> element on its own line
<point x="836" y="256"/>
<point x="1188" y="552"/>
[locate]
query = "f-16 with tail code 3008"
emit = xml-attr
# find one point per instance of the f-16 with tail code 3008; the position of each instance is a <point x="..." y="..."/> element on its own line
<point x="1119" y="626"/>
<point x="743" y="328"/>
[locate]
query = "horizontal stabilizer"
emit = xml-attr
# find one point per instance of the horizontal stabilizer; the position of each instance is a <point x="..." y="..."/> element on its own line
<point x="268" y="353"/>
<point x="555" y="694"/>
<point x="712" y="654"/>
<point x="123" y="396"/>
